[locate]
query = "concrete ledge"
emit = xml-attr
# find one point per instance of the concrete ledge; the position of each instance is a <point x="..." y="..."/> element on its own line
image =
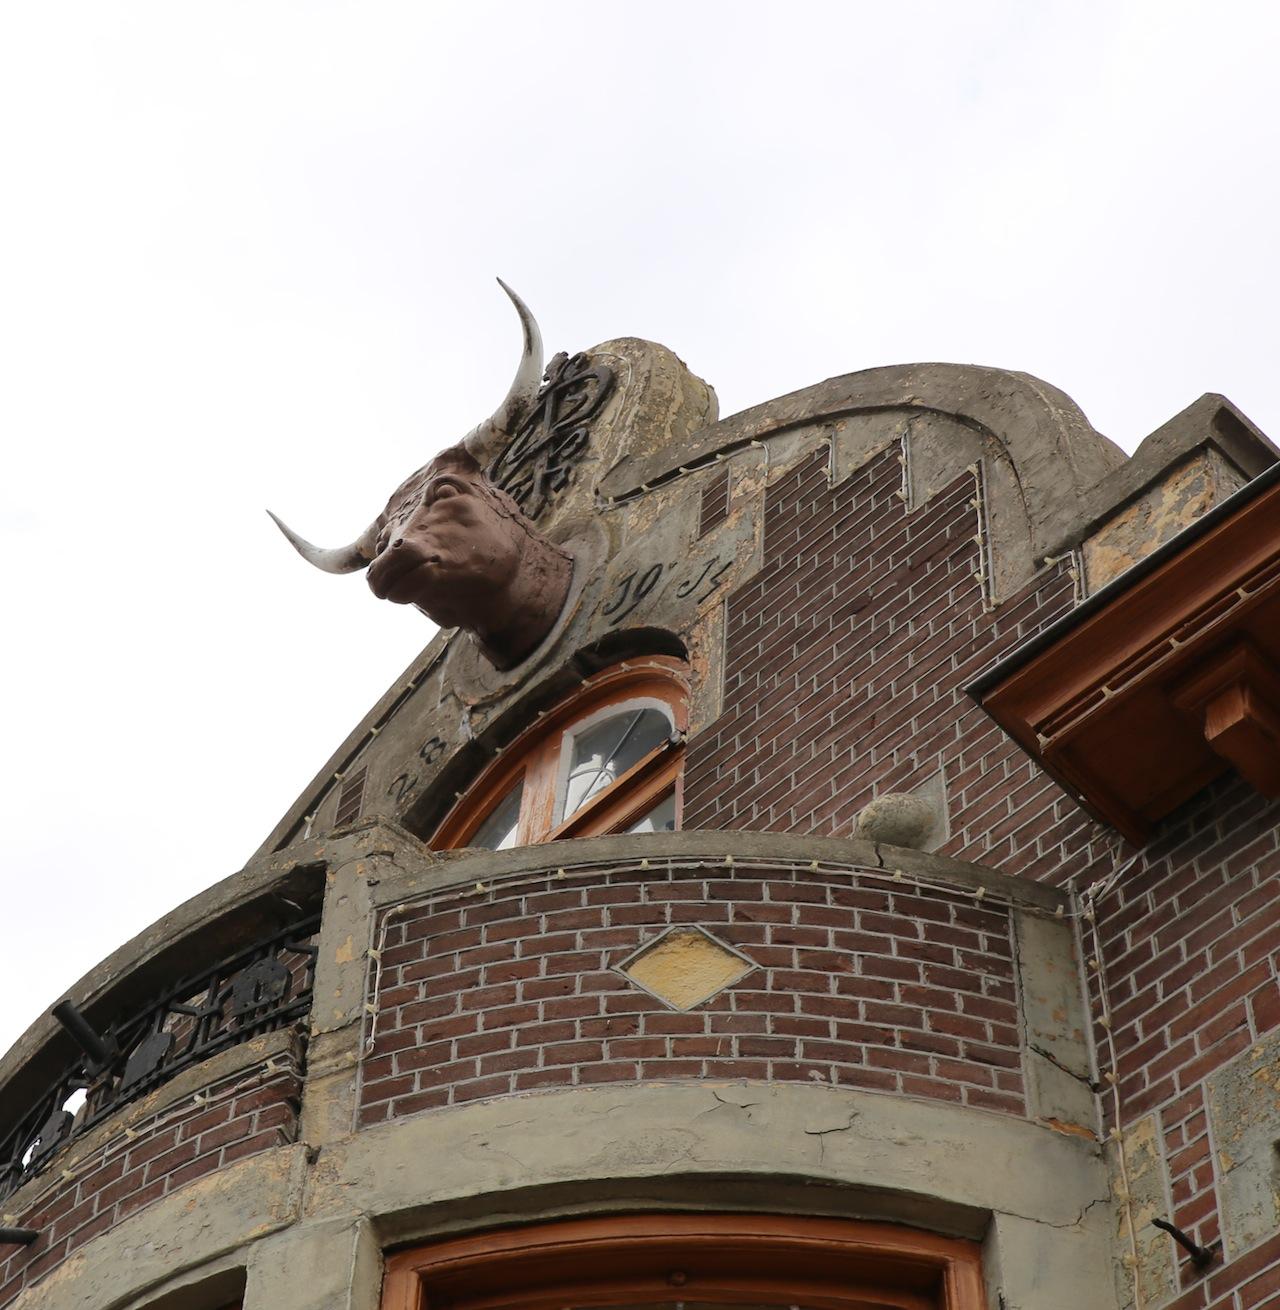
<point x="1212" y="421"/>
<point x="936" y="1166"/>
<point x="193" y="1227"/>
<point x="443" y="870"/>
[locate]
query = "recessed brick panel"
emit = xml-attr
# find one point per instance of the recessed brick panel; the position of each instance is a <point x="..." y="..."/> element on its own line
<point x="860" y="982"/>
<point x="713" y="504"/>
<point x="251" y="1112"/>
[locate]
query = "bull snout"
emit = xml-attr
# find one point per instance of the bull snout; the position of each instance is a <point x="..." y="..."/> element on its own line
<point x="399" y="571"/>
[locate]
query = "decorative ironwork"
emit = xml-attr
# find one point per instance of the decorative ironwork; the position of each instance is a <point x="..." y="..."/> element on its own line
<point x="264" y="987"/>
<point x="256" y="987"/>
<point x="53" y="1132"/>
<point x="539" y="461"/>
<point x="146" y="1058"/>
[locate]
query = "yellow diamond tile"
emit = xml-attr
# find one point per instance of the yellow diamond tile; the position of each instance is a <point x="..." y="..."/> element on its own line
<point x="686" y="967"/>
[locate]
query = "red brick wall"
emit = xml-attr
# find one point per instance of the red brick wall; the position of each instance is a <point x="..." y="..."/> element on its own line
<point x="1250" y="1282"/>
<point x="1190" y="944"/>
<point x="244" y="1115"/>
<point x="846" y="659"/>
<point x="860" y="982"/>
<point x="845" y="665"/>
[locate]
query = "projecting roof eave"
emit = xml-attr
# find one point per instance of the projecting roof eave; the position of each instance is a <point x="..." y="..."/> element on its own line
<point x="1164" y="678"/>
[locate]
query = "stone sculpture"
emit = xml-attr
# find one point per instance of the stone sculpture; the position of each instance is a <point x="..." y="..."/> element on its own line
<point x="457" y="547"/>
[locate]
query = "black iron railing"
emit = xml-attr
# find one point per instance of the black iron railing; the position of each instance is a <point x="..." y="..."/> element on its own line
<point x="264" y="987"/>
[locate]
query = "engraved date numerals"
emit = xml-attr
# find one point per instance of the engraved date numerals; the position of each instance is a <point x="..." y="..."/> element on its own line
<point x="634" y="589"/>
<point x="631" y="591"/>
<point x="402" y="786"/>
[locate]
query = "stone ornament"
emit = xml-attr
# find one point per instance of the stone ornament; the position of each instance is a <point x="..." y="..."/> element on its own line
<point x="463" y="551"/>
<point x="540" y="461"/>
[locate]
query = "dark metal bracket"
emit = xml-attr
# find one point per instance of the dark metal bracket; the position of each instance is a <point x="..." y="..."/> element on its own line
<point x="100" y="1051"/>
<point x="17" y="1236"/>
<point x="1201" y="1256"/>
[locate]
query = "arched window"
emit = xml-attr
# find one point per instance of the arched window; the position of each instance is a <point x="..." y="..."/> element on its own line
<point x="607" y="759"/>
<point x="679" y="1261"/>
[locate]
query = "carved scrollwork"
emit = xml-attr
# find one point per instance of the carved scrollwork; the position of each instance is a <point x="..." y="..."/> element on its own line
<point x="540" y="460"/>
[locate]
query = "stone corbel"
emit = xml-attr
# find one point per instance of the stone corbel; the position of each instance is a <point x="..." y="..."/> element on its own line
<point x="1236" y="697"/>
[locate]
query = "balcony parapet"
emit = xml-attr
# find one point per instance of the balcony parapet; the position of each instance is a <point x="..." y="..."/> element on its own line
<point x="718" y="955"/>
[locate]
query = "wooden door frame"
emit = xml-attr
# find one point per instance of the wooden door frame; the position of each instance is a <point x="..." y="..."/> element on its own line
<point x="824" y="1264"/>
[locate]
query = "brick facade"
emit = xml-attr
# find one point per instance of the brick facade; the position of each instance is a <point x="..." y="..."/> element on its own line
<point x="1190" y="954"/>
<point x="846" y="659"/>
<point x="1251" y="1282"/>
<point x="844" y="666"/>
<point x="860" y="982"/>
<point x="225" y="1122"/>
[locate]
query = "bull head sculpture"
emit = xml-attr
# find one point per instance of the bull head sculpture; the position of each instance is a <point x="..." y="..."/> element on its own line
<point x="454" y="545"/>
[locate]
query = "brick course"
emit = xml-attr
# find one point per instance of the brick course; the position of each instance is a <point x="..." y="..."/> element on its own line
<point x="859" y="982"/>
<point x="251" y="1112"/>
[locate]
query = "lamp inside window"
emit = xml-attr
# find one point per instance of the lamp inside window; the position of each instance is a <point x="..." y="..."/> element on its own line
<point x="607" y="759"/>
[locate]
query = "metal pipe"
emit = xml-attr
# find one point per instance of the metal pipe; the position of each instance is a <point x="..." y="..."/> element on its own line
<point x="85" y="1038"/>
<point x="1201" y="1256"/>
<point x="17" y="1236"/>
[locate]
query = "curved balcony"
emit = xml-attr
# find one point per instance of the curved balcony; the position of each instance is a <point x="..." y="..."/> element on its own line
<point x="179" y="1055"/>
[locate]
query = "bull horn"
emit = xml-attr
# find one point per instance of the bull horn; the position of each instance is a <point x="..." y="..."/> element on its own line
<point x="484" y="443"/>
<point x="344" y="559"/>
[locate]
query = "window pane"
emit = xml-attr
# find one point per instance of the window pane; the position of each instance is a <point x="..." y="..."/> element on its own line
<point x="662" y="818"/>
<point x="603" y="752"/>
<point x="499" y="830"/>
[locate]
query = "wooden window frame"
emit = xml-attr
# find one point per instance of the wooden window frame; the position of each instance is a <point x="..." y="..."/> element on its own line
<point x="659" y="1259"/>
<point x="537" y="758"/>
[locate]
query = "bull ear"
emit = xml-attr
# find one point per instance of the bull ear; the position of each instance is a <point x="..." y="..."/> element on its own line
<point x="343" y="559"/>
<point x="485" y="442"/>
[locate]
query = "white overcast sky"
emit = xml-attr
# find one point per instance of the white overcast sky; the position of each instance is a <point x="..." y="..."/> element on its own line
<point x="247" y="254"/>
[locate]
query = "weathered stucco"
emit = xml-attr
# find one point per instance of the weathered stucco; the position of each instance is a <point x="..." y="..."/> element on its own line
<point x="1180" y="497"/>
<point x="1244" y="1107"/>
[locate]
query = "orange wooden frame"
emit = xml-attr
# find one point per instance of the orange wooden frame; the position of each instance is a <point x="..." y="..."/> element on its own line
<point x="661" y="1259"/>
<point x="535" y="758"/>
<point x="1166" y="682"/>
